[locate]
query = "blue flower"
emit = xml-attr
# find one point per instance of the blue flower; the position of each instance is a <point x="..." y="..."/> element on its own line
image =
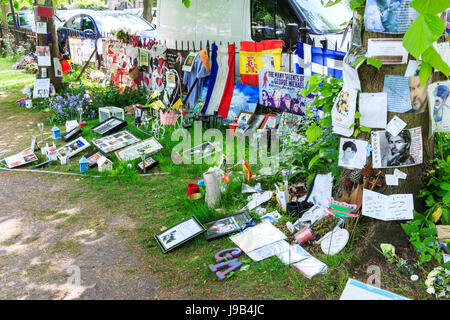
<point x="438" y="280"/>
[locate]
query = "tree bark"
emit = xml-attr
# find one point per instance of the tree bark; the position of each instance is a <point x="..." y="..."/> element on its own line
<point x="54" y="50"/>
<point x="5" y="10"/>
<point x="147" y="14"/>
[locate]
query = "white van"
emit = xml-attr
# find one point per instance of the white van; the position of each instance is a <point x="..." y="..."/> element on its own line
<point x="232" y="21"/>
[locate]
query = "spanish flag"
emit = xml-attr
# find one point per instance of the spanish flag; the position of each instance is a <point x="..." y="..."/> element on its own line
<point x="247" y="172"/>
<point x="257" y="55"/>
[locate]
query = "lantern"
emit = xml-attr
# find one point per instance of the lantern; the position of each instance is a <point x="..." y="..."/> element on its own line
<point x="84" y="164"/>
<point x="56" y="133"/>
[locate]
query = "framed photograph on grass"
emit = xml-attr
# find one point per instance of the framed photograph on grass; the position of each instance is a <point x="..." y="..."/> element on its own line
<point x="109" y="126"/>
<point x="72" y="134"/>
<point x="24" y="157"/>
<point x="75" y="147"/>
<point x="198" y="107"/>
<point x="149" y="146"/>
<point x="245" y="117"/>
<point x="224" y="226"/>
<point x="257" y="121"/>
<point x="179" y="234"/>
<point x="115" y="141"/>
<point x="270" y="122"/>
<point x="93" y="157"/>
<point x="149" y="163"/>
<point x="201" y="151"/>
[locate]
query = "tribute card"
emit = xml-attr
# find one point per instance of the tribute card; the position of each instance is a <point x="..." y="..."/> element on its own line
<point x="387" y="208"/>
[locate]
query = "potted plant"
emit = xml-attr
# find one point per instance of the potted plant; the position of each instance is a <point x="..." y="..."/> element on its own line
<point x="318" y="229"/>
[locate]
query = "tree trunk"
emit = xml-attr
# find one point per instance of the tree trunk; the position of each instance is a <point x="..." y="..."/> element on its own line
<point x="148" y="5"/>
<point x="5" y="10"/>
<point x="54" y="50"/>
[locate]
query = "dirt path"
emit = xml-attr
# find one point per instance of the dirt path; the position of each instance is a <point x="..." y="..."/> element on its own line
<point x="51" y="249"/>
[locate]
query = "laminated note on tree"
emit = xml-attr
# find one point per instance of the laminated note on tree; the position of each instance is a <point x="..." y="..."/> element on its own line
<point x="389" y="16"/>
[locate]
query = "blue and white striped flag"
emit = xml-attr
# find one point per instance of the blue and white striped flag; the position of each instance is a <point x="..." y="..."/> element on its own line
<point x="311" y="60"/>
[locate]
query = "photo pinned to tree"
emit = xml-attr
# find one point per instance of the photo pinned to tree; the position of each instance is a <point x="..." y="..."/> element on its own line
<point x="179" y="234"/>
<point x="352" y="153"/>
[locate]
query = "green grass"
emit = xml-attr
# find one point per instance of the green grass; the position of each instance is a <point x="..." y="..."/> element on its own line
<point x="161" y="201"/>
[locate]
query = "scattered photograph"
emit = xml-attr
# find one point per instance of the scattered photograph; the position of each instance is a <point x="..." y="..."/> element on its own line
<point x="149" y="146"/>
<point x="75" y="147"/>
<point x="257" y="121"/>
<point x="115" y="141"/>
<point x="179" y="234"/>
<point x="244" y="117"/>
<point x="200" y="151"/>
<point x="94" y="156"/>
<point x="24" y="157"/>
<point x="109" y="126"/>
<point x="224" y="226"/>
<point x="148" y="164"/>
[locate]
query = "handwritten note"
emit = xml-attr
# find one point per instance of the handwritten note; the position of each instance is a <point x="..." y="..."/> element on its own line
<point x="397" y="89"/>
<point x="373" y="109"/>
<point x="387" y="208"/>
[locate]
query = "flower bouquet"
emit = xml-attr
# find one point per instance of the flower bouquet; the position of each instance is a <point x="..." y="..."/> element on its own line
<point x="438" y="283"/>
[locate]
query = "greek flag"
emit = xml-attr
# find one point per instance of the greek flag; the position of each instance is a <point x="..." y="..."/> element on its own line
<point x="311" y="60"/>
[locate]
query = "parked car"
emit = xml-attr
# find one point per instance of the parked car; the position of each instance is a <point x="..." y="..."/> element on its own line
<point x="96" y="24"/>
<point x="25" y="19"/>
<point x="140" y="12"/>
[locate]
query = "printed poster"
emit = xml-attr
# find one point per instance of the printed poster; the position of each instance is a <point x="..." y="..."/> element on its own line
<point x="41" y="88"/>
<point x="389" y="16"/>
<point x="438" y="97"/>
<point x="403" y="150"/>
<point x="343" y="112"/>
<point x="75" y="50"/>
<point x="245" y="98"/>
<point x="282" y="91"/>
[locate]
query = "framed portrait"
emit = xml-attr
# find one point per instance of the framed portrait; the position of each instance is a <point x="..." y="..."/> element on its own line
<point x="75" y="147"/>
<point x="148" y="146"/>
<point x="179" y="234"/>
<point x="270" y="121"/>
<point x="257" y="121"/>
<point x="109" y="126"/>
<point x="72" y="134"/>
<point x="289" y="121"/>
<point x="148" y="164"/>
<point x="93" y="157"/>
<point x="245" y="117"/>
<point x="115" y="141"/>
<point x="201" y="151"/>
<point x="224" y="226"/>
<point x="242" y="128"/>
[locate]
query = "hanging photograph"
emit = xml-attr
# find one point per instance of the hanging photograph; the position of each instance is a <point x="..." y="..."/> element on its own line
<point x="403" y="150"/>
<point x="109" y="126"/>
<point x="189" y="62"/>
<point x="343" y="112"/>
<point x="41" y="27"/>
<point x="24" y="157"/>
<point x="94" y="156"/>
<point x="438" y="97"/>
<point x="75" y="147"/>
<point x="115" y="141"/>
<point x="143" y="58"/>
<point x="224" y="226"/>
<point x="179" y="234"/>
<point x="418" y="95"/>
<point x="75" y="50"/>
<point x="149" y="146"/>
<point x="57" y="68"/>
<point x="43" y="56"/>
<point x="282" y="91"/>
<point x="352" y="153"/>
<point x="389" y="16"/>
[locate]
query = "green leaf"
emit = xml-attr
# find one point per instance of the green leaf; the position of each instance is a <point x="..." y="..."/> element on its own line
<point x="430" y="6"/>
<point x="357" y="115"/>
<point x="313" y="133"/>
<point x="375" y="63"/>
<point x="425" y="72"/>
<point x="432" y="57"/>
<point x="313" y="161"/>
<point x="430" y="201"/>
<point x="425" y="258"/>
<point x="446" y="198"/>
<point x="356" y="4"/>
<point x="446" y="265"/>
<point x="358" y="61"/>
<point x="187" y="3"/>
<point x="365" y="129"/>
<point x="425" y="30"/>
<point x="445" y="186"/>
